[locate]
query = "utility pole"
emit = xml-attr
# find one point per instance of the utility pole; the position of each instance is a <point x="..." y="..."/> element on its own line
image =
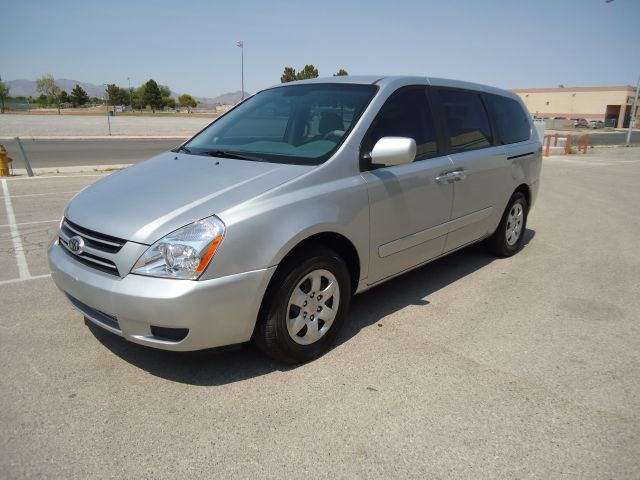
<point x="632" y="120"/>
<point x="241" y="45"/>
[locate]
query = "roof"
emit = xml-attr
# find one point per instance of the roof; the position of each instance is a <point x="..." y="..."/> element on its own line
<point x="395" y="81"/>
<point x="615" y="88"/>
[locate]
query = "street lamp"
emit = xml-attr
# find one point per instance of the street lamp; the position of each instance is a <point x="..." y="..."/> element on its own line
<point x="632" y="119"/>
<point x="241" y="45"/>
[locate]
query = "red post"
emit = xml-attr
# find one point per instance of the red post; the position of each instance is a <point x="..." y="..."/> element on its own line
<point x="567" y="146"/>
<point x="586" y="143"/>
<point x="580" y="144"/>
<point x="546" y="153"/>
<point x="555" y="142"/>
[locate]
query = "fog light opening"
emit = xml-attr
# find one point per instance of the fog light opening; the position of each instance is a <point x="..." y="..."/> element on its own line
<point x="169" y="334"/>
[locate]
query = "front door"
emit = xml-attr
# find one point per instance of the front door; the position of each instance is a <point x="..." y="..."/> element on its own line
<point x="409" y="209"/>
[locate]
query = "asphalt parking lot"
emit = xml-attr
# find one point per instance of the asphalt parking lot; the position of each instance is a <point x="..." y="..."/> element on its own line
<point x="470" y="367"/>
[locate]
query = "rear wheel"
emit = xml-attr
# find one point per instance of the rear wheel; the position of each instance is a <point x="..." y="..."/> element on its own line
<point x="305" y="307"/>
<point x="508" y="238"/>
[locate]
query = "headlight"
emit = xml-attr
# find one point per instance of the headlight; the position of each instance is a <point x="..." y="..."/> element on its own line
<point x="184" y="253"/>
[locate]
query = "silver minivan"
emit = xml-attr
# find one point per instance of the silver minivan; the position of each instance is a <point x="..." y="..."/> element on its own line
<point x="264" y="224"/>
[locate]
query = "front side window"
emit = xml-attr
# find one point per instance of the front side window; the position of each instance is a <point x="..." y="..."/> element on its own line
<point x="511" y="120"/>
<point x="465" y="119"/>
<point x="296" y="124"/>
<point x="406" y="114"/>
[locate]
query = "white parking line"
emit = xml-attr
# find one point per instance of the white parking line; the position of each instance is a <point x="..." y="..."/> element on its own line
<point x="42" y="194"/>
<point x="18" y="280"/>
<point x="23" y="268"/>
<point x="30" y="223"/>
<point x="43" y="177"/>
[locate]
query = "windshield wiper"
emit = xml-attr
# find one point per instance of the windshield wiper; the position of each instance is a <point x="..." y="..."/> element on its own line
<point x="181" y="148"/>
<point x="228" y="154"/>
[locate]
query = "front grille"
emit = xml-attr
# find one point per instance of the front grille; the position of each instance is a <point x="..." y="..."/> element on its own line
<point x="102" y="246"/>
<point x="98" y="241"/>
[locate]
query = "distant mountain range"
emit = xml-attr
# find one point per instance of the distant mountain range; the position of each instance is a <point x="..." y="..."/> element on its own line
<point x="26" y="88"/>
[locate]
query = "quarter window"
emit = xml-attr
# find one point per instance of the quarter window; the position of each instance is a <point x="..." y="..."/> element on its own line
<point x="466" y="120"/>
<point x="407" y="114"/>
<point x="511" y="120"/>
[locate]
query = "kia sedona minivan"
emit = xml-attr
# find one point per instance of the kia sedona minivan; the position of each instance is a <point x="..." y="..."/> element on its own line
<point x="264" y="224"/>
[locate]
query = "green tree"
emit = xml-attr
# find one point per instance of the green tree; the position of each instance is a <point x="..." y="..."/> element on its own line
<point x="138" y="97"/>
<point x="47" y="86"/>
<point x="125" y="96"/>
<point x="186" y="100"/>
<point x="289" y="75"/>
<point x="152" y="95"/>
<point x="309" y="71"/>
<point x="164" y="91"/>
<point x="78" y="96"/>
<point x="64" y="97"/>
<point x="168" y="102"/>
<point x="4" y="93"/>
<point x="115" y="94"/>
<point x="341" y="73"/>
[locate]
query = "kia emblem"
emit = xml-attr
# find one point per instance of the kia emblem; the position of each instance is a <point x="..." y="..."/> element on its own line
<point x="76" y="244"/>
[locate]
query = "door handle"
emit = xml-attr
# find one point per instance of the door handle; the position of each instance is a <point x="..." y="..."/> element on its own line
<point x="455" y="176"/>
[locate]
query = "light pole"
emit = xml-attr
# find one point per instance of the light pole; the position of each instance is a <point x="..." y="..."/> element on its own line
<point x="241" y="45"/>
<point x="632" y="120"/>
<point x="130" y="101"/>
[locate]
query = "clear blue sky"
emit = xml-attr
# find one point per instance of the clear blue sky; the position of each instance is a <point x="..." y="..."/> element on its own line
<point x="191" y="45"/>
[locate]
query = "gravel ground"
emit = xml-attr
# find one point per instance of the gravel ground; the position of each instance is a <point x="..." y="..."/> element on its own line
<point x="80" y="126"/>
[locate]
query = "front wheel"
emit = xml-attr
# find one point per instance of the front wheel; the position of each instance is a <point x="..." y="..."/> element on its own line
<point x="508" y="238"/>
<point x="305" y="308"/>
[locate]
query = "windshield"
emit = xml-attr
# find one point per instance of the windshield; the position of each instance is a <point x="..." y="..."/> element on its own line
<point x="297" y="124"/>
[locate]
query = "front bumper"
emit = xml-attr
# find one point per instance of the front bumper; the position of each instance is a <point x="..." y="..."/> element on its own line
<point x="217" y="312"/>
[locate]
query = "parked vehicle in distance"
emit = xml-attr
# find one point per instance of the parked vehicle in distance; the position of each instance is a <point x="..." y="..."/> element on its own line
<point x="264" y="224"/>
<point x="581" y="123"/>
<point x="596" y="124"/>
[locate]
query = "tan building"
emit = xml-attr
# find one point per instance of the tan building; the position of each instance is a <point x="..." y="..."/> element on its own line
<point x="612" y="105"/>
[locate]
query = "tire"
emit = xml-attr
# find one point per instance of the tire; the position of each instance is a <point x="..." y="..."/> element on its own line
<point x="508" y="238"/>
<point x="297" y="322"/>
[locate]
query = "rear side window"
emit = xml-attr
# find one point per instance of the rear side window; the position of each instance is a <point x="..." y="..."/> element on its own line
<point x="510" y="118"/>
<point x="465" y="119"/>
<point x="407" y="114"/>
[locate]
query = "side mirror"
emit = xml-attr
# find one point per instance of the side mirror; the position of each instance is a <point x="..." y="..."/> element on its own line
<point x="389" y="151"/>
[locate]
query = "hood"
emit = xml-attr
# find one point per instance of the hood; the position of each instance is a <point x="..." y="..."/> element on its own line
<point x="145" y="202"/>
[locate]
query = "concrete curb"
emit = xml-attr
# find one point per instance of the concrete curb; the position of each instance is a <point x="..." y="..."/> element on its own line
<point x="100" y="137"/>
<point x="631" y="145"/>
<point x="22" y="172"/>
<point x="557" y="152"/>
